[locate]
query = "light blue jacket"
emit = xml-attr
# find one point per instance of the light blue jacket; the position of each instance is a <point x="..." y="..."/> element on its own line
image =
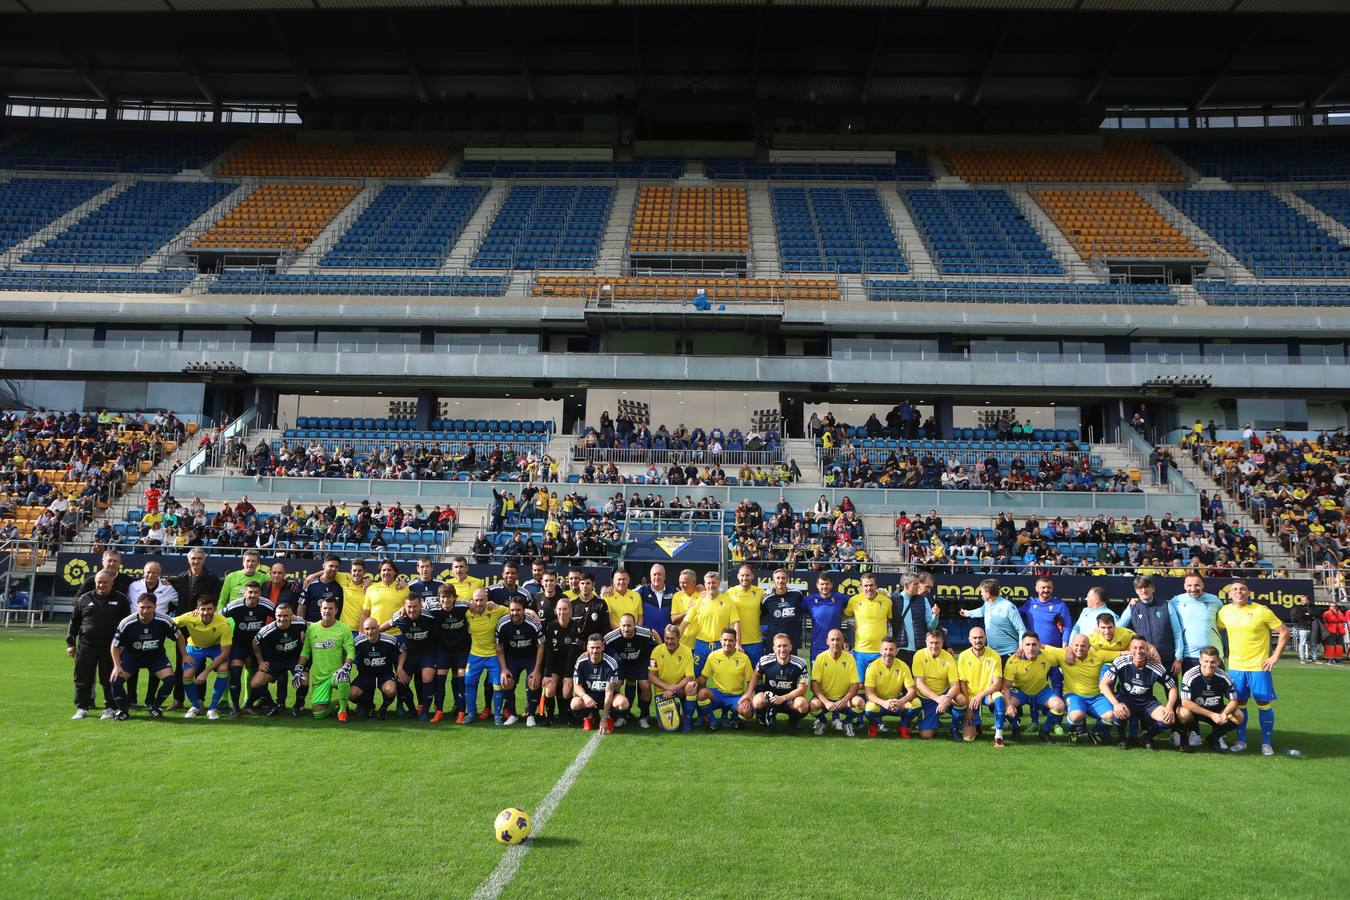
<point x="1198" y="623"/>
<point x="1003" y="625"/>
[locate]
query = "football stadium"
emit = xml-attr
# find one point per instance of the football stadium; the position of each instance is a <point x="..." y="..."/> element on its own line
<point x="617" y="448"/>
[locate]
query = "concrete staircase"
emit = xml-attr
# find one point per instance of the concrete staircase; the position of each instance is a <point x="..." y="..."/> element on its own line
<point x="1077" y="268"/>
<point x="308" y="260"/>
<point x="467" y="245"/>
<point x="916" y="253"/>
<point x="197" y="228"/>
<point x="614" y="242"/>
<point x="1195" y="234"/>
<point x="1184" y="167"/>
<point x="51" y="231"/>
<point x="1313" y="214"/>
<point x="764" y="256"/>
<point x="803" y="451"/>
<point x="560" y="448"/>
<point x="1271" y="548"/>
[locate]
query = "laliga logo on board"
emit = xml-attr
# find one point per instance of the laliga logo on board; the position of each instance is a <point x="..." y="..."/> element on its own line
<point x="75" y="572"/>
<point x="1287" y="599"/>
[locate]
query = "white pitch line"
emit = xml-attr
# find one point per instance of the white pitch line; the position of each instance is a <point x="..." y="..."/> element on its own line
<point x="501" y="876"/>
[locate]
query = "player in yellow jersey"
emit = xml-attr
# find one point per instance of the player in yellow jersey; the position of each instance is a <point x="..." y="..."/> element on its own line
<point x="834" y="686"/>
<point x="621" y="601"/>
<point x="680" y="605"/>
<point x="981" y="673"/>
<point x="1026" y="675"/>
<point x="748" y="598"/>
<point x="460" y="579"/>
<point x="870" y="610"/>
<point x="1110" y="636"/>
<point x="1250" y="661"/>
<point x="889" y="688"/>
<point x="671" y="673"/>
<point x="939" y="686"/>
<point x="353" y="584"/>
<point x="208" y="650"/>
<point x="386" y="597"/>
<point x="724" y="684"/>
<point x="482" y="622"/>
<point x="712" y="614"/>
<point x="1082" y="665"/>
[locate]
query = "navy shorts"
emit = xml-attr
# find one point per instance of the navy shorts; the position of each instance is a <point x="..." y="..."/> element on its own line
<point x="520" y="666"/>
<point x="367" y="684"/>
<point x="1141" y="709"/>
<point x="634" y="670"/>
<point x="282" y="668"/>
<point x="452" y="660"/>
<point x="416" y="662"/>
<point x="241" y="651"/>
<point x="156" y="662"/>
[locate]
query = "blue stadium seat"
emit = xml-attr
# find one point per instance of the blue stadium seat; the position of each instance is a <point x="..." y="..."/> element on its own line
<point x="978" y="232"/>
<point x="547" y="227"/>
<point x="834" y="230"/>
<point x="407" y="227"/>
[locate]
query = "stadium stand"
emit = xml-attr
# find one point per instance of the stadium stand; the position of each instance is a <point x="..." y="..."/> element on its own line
<point x="547" y="227"/>
<point x="1264" y="233"/>
<point x="1220" y="293"/>
<point x="279" y="216"/>
<point x="280" y="157"/>
<point x="1123" y="161"/>
<point x="569" y="169"/>
<point x="1018" y="292"/>
<point x="834" y="229"/>
<point x="978" y="232"/>
<point x="1263" y="159"/>
<point x="440" y="458"/>
<point x="717" y="288"/>
<point x="908" y="166"/>
<point x="690" y="220"/>
<point x="407" y="226"/>
<point x="29" y="204"/>
<point x="103" y="151"/>
<point x="308" y="427"/>
<point x="625" y="441"/>
<point x="1116" y="224"/>
<point x="171" y="281"/>
<point x="133" y="225"/>
<point x="260" y="281"/>
<point x="1335" y="202"/>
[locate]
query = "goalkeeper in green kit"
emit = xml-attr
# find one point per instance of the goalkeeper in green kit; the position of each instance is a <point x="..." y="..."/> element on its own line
<point x="328" y="654"/>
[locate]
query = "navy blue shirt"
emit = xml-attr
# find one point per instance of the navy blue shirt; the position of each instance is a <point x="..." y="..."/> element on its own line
<point x="635" y="651"/>
<point x="145" y="641"/>
<point x="453" y="628"/>
<point x="656" y="609"/>
<point x="781" y="678"/>
<point x="783" y="614"/>
<point x="1134" y="684"/>
<point x="316" y="593"/>
<point x="424" y="589"/>
<point x="519" y="639"/>
<point x="421" y="635"/>
<point x="1212" y="693"/>
<point x="282" y="646"/>
<point x="248" y="620"/>
<point x="378" y="658"/>
<point x="595" y="677"/>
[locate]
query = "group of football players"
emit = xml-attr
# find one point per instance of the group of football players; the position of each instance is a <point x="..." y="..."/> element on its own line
<point x="700" y="654"/>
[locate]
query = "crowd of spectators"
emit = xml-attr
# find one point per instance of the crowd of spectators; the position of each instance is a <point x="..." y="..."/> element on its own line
<point x="823" y="536"/>
<point x="296" y="530"/>
<point x="1052" y="471"/>
<point x="1298" y="488"/>
<point x="681" y="472"/>
<point x="698" y="444"/>
<point x="1084" y="546"/>
<point x="425" y="461"/>
<point x="66" y="466"/>
<point x="561" y="529"/>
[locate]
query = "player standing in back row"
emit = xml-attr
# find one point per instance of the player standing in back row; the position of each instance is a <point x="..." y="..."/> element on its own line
<point x="1251" y="661"/>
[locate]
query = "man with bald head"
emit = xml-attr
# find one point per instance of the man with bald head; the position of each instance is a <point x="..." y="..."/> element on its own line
<point x="93" y="622"/>
<point x="154" y="585"/>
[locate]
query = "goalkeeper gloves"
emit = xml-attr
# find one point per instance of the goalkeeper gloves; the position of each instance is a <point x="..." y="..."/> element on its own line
<point x="297" y="676"/>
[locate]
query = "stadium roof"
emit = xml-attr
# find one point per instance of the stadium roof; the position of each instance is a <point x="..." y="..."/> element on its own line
<point x="933" y="53"/>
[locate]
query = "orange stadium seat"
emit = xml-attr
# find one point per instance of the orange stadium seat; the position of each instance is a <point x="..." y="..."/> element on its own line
<point x="278" y="157"/>
<point x="1124" y="161"/>
<point x="280" y="216"/>
<point x="680" y="288"/>
<point x="1116" y="224"/>
<point x="690" y="220"/>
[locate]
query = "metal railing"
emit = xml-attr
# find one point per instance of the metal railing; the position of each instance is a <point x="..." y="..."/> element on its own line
<point x="366" y="447"/>
<point x="963" y="457"/>
<point x="644" y="457"/>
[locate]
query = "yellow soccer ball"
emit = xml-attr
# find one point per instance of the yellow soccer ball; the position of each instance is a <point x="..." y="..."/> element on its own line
<point x="512" y="826"/>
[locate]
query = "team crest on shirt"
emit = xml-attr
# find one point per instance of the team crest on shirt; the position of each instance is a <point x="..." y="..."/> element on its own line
<point x="672" y="545"/>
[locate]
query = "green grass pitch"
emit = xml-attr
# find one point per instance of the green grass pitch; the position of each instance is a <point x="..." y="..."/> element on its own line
<point x="297" y="808"/>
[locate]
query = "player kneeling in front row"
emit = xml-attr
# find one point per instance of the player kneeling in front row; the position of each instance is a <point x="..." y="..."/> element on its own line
<point x="671" y="675"/>
<point x="326" y="662"/>
<point x="889" y="688"/>
<point x="1027" y="676"/>
<point x="381" y="664"/>
<point x="1128" y="684"/>
<point x="939" y="686"/>
<point x="1082" y="667"/>
<point x="834" y="686"/>
<point x="140" y="642"/>
<point x="779" y="685"/>
<point x="277" y="649"/>
<point x="981" y="673"/>
<point x="724" y="684"/>
<point x="1208" y="695"/>
<point x="595" y="687"/>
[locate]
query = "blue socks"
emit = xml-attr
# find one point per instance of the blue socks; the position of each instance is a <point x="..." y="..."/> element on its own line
<point x="999" y="708"/>
<point x="1051" y="720"/>
<point x="1266" y="717"/>
<point x="497" y="700"/>
<point x="193" y="693"/>
<point x="218" y="690"/>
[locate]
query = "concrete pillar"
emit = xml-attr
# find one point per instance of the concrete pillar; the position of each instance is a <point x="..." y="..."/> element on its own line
<point x="943" y="410"/>
<point x="427" y="407"/>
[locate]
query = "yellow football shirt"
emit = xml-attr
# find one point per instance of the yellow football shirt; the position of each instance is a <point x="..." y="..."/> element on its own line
<point x="203" y="636"/>
<point x="938" y="672"/>
<point x="835" y="676"/>
<point x="620" y="605"/>
<point x="728" y="674"/>
<point x="1120" y="643"/>
<point x="671" y="668"/>
<point x="1249" y="628"/>
<point x="712" y="616"/>
<point x="871" y="619"/>
<point x="1030" y="675"/>
<point x="978" y="672"/>
<point x="483" y="630"/>
<point x="1084" y="677"/>
<point x="748" y="602"/>
<point x="888" y="682"/>
<point x="464" y="589"/>
<point x="682" y="602"/>
<point x="384" y="602"/>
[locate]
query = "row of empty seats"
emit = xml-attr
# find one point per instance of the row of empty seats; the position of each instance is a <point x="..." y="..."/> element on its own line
<point x="27" y="205"/>
<point x="1018" y="292"/>
<point x="130" y="227"/>
<point x="279" y="216"/>
<point x="908" y="166"/>
<point x="1268" y="159"/>
<point x="172" y="281"/>
<point x="1123" y="161"/>
<point x="547" y="227"/>
<point x="279" y="156"/>
<point x="683" y="289"/>
<point x="570" y="168"/>
<point x="978" y="232"/>
<point x="255" y="281"/>
<point x="1115" y="224"/>
<point x="1335" y="202"/>
<point x="407" y="226"/>
<point x="1222" y="294"/>
<point x="492" y="426"/>
<point x="690" y="220"/>
<point x="1264" y="233"/>
<point x="104" y="151"/>
<point x="834" y="229"/>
